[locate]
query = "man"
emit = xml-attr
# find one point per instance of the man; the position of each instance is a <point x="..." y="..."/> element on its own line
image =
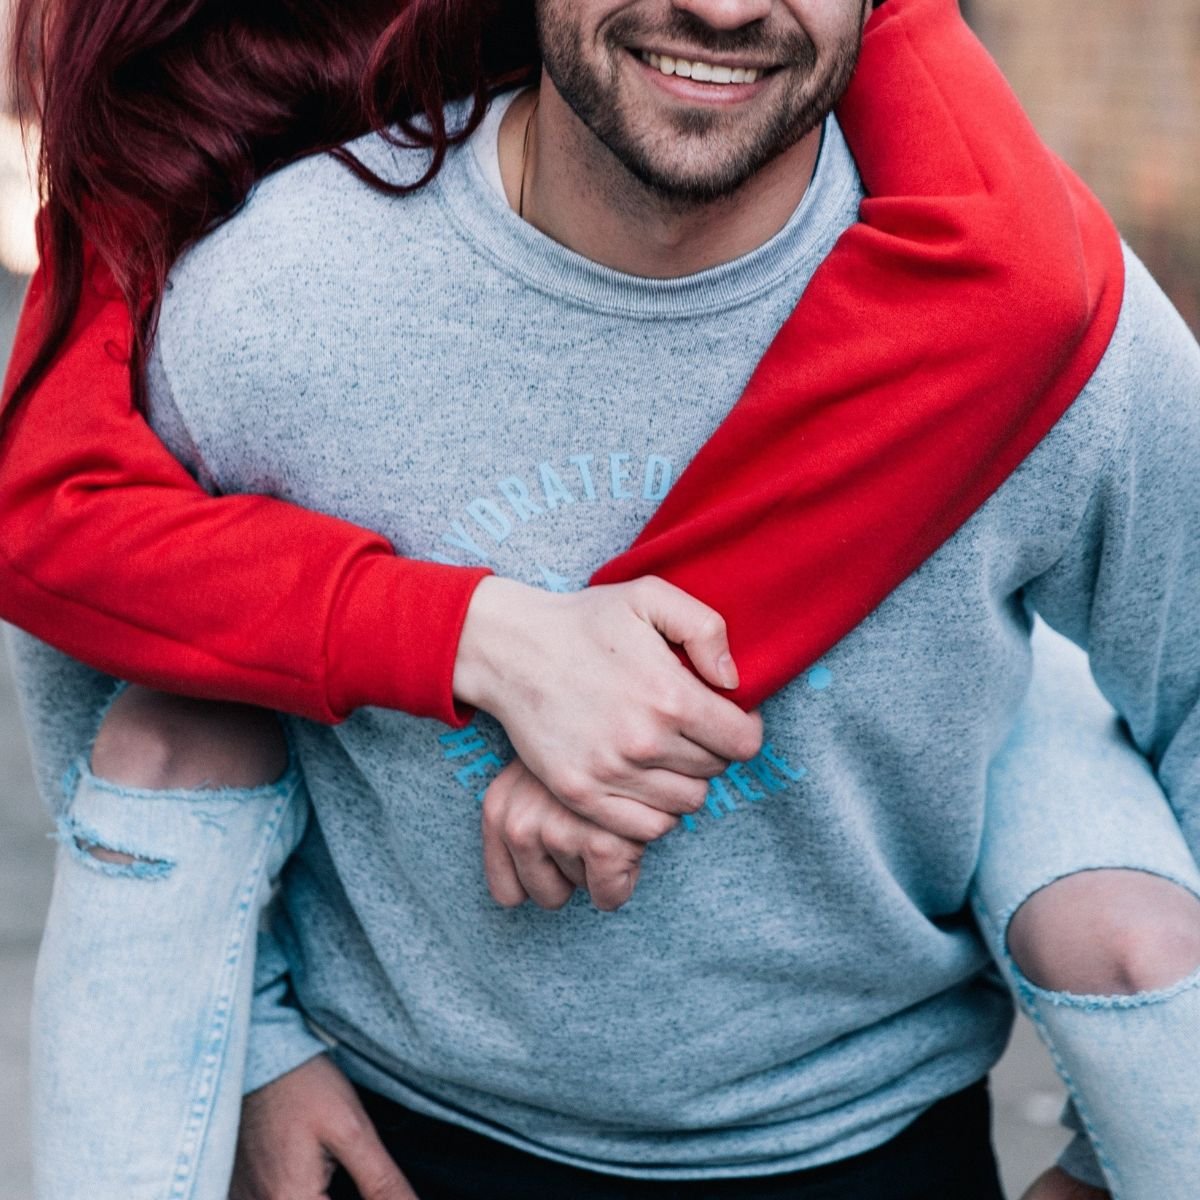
<point x="810" y="983"/>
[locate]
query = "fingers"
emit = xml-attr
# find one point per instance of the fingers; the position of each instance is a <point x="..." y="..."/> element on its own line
<point x="685" y="757"/>
<point x="356" y="1145"/>
<point x="642" y="819"/>
<point x="293" y="1131"/>
<point x="687" y="622"/>
<point x="547" y="886"/>
<point x="536" y="848"/>
<point x="612" y="878"/>
<point x="517" y="864"/>
<point x="503" y="881"/>
<point x="722" y="728"/>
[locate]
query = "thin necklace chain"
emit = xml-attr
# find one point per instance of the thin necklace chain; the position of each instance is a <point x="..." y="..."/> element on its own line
<point x="525" y="156"/>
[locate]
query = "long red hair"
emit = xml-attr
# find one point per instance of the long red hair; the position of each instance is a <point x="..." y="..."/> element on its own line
<point x="158" y="116"/>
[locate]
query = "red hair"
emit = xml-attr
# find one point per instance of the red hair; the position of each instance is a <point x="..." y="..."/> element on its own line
<point x="159" y="116"/>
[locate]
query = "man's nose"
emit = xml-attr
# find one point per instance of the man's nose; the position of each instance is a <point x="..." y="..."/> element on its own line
<point x="726" y="14"/>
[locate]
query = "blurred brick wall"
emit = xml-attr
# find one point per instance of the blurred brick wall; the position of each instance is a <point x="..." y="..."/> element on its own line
<point x="1114" y="87"/>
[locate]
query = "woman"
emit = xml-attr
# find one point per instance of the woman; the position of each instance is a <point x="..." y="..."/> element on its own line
<point x="208" y="686"/>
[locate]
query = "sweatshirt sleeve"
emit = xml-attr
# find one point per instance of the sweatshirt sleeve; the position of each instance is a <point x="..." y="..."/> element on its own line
<point x="1126" y="587"/>
<point x="113" y="553"/>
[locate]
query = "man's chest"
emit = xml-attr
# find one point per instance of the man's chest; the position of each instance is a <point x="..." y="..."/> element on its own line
<point x="534" y="438"/>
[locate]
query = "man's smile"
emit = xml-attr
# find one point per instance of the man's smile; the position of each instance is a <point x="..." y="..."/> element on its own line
<point x="711" y="80"/>
<point x="702" y="70"/>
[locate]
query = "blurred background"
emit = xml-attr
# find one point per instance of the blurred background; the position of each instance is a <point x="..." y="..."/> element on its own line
<point x="1114" y="87"/>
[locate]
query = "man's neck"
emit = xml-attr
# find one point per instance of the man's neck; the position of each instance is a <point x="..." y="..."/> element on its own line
<point x="575" y="191"/>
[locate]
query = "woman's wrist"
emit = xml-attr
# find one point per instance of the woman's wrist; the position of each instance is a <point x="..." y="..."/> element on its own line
<point x="488" y="631"/>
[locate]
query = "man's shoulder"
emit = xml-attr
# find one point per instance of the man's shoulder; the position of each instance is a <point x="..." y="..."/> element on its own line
<point x="312" y="238"/>
<point x="1140" y="409"/>
<point x="317" y="204"/>
<point x="331" y="208"/>
<point x="1152" y="339"/>
<point x="1149" y="377"/>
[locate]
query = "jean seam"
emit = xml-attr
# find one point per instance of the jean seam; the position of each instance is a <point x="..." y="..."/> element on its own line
<point x="1027" y="997"/>
<point x="203" y="1089"/>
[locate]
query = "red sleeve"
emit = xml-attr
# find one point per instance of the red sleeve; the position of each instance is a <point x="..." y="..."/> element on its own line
<point x="979" y="268"/>
<point x="110" y="551"/>
<point x="936" y="345"/>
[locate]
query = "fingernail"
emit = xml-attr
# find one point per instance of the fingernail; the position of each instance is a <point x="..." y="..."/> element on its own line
<point x="727" y="671"/>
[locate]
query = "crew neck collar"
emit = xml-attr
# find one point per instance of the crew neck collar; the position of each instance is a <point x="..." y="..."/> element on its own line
<point x="467" y="188"/>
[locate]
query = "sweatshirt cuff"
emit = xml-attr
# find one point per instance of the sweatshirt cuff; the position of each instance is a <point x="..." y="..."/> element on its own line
<point x="394" y="635"/>
<point x="279" y="1039"/>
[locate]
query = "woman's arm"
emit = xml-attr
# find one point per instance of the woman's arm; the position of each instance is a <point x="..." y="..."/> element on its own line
<point x="110" y="551"/>
<point x="939" y="341"/>
<point x="978" y="268"/>
<point x="937" y="344"/>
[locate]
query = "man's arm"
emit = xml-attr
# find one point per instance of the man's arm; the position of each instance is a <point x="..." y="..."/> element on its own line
<point x="1127" y="589"/>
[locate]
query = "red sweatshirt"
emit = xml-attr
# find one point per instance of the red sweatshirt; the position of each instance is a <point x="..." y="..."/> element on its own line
<point x="941" y="339"/>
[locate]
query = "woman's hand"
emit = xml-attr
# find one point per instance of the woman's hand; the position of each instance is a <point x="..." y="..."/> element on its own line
<point x="597" y="704"/>
<point x="535" y="848"/>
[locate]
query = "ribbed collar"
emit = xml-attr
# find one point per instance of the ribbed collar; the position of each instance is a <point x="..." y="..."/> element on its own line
<point x="516" y="247"/>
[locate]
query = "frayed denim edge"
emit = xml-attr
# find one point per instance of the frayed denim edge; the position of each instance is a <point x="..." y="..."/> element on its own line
<point x="71" y="833"/>
<point x="80" y="772"/>
<point x="1082" y="1000"/>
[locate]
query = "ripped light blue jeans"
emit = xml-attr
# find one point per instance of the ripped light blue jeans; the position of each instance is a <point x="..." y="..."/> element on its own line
<point x="144" y="983"/>
<point x="1067" y="793"/>
<point x="145" y="980"/>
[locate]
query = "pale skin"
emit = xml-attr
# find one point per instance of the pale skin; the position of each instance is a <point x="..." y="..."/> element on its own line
<point x="600" y="775"/>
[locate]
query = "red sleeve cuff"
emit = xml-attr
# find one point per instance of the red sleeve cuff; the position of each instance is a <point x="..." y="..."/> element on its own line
<point x="394" y="634"/>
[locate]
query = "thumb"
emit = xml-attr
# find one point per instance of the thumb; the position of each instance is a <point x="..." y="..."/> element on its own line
<point x="375" y="1174"/>
<point x="689" y="623"/>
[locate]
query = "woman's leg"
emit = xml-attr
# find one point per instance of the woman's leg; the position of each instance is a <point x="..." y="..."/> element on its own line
<point x="1087" y="895"/>
<point x="175" y="827"/>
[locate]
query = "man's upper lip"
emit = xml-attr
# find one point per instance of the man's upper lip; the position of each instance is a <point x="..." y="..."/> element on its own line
<point x="717" y="60"/>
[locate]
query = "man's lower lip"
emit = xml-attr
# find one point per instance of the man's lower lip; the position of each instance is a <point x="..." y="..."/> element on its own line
<point x="695" y="92"/>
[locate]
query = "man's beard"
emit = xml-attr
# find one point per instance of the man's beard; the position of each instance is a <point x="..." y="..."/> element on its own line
<point x="592" y="90"/>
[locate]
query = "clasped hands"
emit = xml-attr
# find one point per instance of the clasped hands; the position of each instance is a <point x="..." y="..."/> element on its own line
<point x="616" y="739"/>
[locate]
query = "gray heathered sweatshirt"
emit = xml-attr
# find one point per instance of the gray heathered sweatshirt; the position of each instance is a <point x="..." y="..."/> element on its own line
<point x="796" y="976"/>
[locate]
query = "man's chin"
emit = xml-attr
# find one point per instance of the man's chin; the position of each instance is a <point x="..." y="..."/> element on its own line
<point x="701" y="178"/>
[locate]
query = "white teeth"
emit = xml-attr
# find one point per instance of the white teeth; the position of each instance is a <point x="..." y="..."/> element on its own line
<point x="705" y="72"/>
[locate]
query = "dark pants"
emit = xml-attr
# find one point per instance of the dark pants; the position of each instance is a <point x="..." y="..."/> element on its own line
<point x="946" y="1154"/>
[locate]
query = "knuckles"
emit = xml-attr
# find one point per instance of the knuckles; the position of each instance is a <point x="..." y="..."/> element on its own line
<point x="659" y="824"/>
<point x="749" y="738"/>
<point x="641" y="746"/>
<point x="523" y="832"/>
<point x="694" y="794"/>
<point x="576" y="789"/>
<point x="711" y="627"/>
<point x="671" y="704"/>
